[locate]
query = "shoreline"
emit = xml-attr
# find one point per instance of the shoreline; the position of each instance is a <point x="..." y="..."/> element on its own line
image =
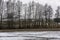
<point x="28" y="30"/>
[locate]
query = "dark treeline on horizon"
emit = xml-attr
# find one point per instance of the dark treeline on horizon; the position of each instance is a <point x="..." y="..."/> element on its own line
<point x="30" y="15"/>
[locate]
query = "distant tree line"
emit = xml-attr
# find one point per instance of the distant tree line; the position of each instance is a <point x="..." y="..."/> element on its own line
<point x="31" y="15"/>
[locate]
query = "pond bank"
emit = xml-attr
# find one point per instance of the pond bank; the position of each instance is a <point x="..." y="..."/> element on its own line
<point x="18" y="30"/>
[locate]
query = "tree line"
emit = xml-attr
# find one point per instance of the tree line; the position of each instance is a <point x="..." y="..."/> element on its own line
<point x="31" y="15"/>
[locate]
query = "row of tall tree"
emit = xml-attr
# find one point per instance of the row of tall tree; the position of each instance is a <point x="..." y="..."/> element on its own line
<point x="33" y="12"/>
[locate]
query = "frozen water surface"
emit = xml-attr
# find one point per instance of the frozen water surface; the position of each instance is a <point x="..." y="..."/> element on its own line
<point x="44" y="35"/>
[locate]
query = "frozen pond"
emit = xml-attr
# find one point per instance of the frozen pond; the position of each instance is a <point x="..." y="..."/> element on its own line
<point x="44" y="35"/>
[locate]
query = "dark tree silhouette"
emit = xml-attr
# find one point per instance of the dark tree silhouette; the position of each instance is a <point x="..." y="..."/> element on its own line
<point x="10" y="14"/>
<point x="45" y="14"/>
<point x="1" y="12"/>
<point x="19" y="4"/>
<point x="50" y="13"/>
<point x="35" y="15"/>
<point x="57" y="14"/>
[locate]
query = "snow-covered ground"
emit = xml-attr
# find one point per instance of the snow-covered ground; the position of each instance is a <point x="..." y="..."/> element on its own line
<point x="43" y="35"/>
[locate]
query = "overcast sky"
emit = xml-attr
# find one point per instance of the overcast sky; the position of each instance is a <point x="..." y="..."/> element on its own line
<point x="53" y="3"/>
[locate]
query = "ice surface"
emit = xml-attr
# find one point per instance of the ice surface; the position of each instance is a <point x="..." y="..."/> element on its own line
<point x="44" y="35"/>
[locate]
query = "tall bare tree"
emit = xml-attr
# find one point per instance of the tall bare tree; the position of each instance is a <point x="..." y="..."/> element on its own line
<point x="57" y="14"/>
<point x="29" y="14"/>
<point x="10" y="13"/>
<point x="45" y="13"/>
<point x="1" y="11"/>
<point x="29" y="11"/>
<point x="50" y="13"/>
<point x="25" y="9"/>
<point x="37" y="14"/>
<point x="19" y="4"/>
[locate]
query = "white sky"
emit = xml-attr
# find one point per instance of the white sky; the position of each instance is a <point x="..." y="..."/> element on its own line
<point x="53" y="3"/>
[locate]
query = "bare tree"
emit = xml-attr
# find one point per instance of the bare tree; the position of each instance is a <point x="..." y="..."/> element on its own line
<point x="45" y="13"/>
<point x="37" y="14"/>
<point x="57" y="14"/>
<point x="33" y="13"/>
<point x="19" y="4"/>
<point x="49" y="16"/>
<point x="25" y="10"/>
<point x="29" y="12"/>
<point x="10" y="13"/>
<point x="1" y="11"/>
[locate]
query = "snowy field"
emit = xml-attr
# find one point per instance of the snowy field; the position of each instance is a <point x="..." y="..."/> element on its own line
<point x="45" y="35"/>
